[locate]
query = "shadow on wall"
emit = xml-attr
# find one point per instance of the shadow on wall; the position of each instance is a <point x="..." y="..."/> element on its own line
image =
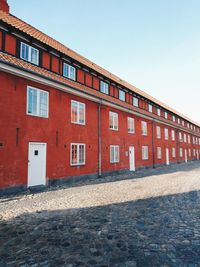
<point x="152" y="232"/>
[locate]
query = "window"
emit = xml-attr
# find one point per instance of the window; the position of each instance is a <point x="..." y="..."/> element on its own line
<point x="135" y="101"/>
<point x="180" y="152"/>
<point x="185" y="138"/>
<point x="150" y="108"/>
<point x="77" y="112"/>
<point x="193" y="140"/>
<point x="178" y="121"/>
<point x="121" y="95"/>
<point x="166" y="134"/>
<point x="37" y="102"/>
<point x="183" y="123"/>
<point x="180" y="137"/>
<point x="69" y="71"/>
<point x="104" y="87"/>
<point x="158" y="132"/>
<point x="159" y="152"/>
<point x="114" y="154"/>
<point x="77" y="154"/>
<point x="173" y="135"/>
<point x="189" y="150"/>
<point x="166" y="115"/>
<point x="194" y="152"/>
<point x="145" y="153"/>
<point x="113" y="120"/>
<point x="188" y="125"/>
<point x="189" y="139"/>
<point x="144" y="127"/>
<point x="173" y="118"/>
<point x="158" y="112"/>
<point x="29" y="53"/>
<point x="131" y="126"/>
<point x="173" y="152"/>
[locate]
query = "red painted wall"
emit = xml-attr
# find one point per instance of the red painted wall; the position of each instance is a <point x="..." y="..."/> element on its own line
<point x="10" y="44"/>
<point x="55" y="64"/>
<point x="46" y="60"/>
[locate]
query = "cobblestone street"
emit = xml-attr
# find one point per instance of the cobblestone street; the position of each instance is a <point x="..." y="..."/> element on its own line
<point x="149" y="218"/>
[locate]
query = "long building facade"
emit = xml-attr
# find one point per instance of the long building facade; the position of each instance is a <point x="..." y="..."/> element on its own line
<point x="62" y="116"/>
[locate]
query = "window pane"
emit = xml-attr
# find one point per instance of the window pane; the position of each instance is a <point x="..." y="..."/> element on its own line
<point x="43" y="104"/>
<point x="74" y="154"/>
<point x="81" y="113"/>
<point x="81" y="154"/>
<point x="66" y="70"/>
<point x="32" y="101"/>
<point x="34" y="56"/>
<point x="24" y="51"/>
<point x="74" y="111"/>
<point x="72" y="73"/>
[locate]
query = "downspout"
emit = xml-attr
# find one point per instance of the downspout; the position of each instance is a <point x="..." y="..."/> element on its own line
<point x="99" y="140"/>
<point x="153" y="145"/>
<point x="177" y="145"/>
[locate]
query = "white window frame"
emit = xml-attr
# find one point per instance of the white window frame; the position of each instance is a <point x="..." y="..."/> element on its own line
<point x="37" y="114"/>
<point x="144" y="129"/>
<point x="166" y="131"/>
<point x="158" y="132"/>
<point x="78" y="112"/>
<point x="104" y="87"/>
<point x="189" y="152"/>
<point x="122" y="95"/>
<point x="158" y="111"/>
<point x="114" y="160"/>
<point x="135" y="101"/>
<point x="180" y="152"/>
<point x="131" y="125"/>
<point x="69" y="73"/>
<point x="173" y="135"/>
<point x="29" y="53"/>
<point x="145" y="152"/>
<point x="180" y="137"/>
<point x="179" y="121"/>
<point x="166" y="115"/>
<point x="159" y="152"/>
<point x="150" y="108"/>
<point x="189" y="140"/>
<point x="173" y="152"/>
<point x="78" y="151"/>
<point x="112" y="116"/>
<point x="183" y="123"/>
<point x="185" y="138"/>
<point x="173" y="118"/>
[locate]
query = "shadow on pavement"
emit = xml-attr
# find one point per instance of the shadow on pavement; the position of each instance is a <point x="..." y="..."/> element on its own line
<point x="161" y="231"/>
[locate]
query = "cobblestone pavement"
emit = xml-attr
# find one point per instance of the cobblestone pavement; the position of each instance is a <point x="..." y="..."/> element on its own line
<point x="82" y="226"/>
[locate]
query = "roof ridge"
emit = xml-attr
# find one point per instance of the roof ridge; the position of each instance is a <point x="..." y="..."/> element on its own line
<point x="51" y="42"/>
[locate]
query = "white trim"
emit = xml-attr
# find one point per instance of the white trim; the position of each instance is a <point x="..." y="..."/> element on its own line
<point x="29" y="53"/>
<point x="27" y="98"/>
<point x="77" y="144"/>
<point x="78" y="112"/>
<point x="74" y="91"/>
<point x="113" y="114"/>
<point x="114" y="147"/>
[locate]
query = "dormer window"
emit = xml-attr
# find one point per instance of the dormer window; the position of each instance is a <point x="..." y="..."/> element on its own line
<point x="150" y="108"/>
<point x="166" y="115"/>
<point x="104" y="87"/>
<point x="121" y="95"/>
<point x="158" y="112"/>
<point x="135" y="101"/>
<point x="29" y="53"/>
<point x="69" y="71"/>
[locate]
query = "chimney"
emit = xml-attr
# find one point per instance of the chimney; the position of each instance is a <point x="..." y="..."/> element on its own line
<point x="4" y="6"/>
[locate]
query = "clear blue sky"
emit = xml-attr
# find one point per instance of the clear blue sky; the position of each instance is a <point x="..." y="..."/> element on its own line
<point x="153" y="44"/>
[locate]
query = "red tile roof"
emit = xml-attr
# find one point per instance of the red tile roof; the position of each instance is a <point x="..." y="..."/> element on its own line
<point x="45" y="39"/>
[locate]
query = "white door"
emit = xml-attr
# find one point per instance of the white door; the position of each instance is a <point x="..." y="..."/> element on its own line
<point x="36" y="164"/>
<point x="167" y="156"/>
<point x="186" y="155"/>
<point x="131" y="158"/>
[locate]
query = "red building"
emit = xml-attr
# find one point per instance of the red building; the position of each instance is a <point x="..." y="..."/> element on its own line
<point x="62" y="116"/>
